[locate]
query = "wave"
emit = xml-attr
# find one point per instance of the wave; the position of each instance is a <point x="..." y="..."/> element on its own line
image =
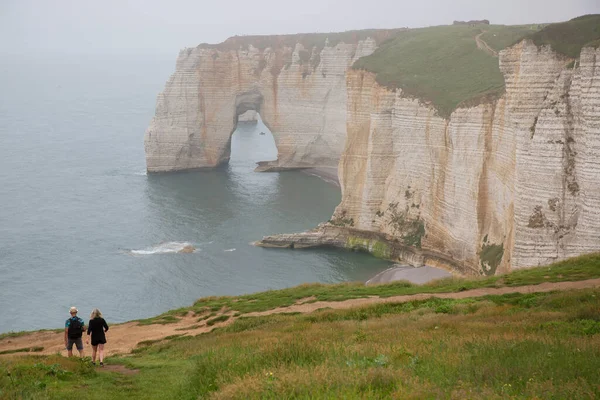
<point x="229" y="250"/>
<point x="166" y="248"/>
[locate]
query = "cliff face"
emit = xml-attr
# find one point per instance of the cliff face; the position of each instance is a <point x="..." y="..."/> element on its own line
<point x="497" y="186"/>
<point x="500" y="185"/>
<point x="300" y="94"/>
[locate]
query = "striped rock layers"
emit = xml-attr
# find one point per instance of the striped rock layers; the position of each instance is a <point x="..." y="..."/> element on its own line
<point x="300" y="94"/>
<point x="502" y="185"/>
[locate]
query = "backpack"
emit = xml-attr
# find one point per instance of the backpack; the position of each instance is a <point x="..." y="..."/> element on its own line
<point x="75" y="328"/>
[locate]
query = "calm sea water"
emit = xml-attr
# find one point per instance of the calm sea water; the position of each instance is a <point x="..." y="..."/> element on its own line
<point x="82" y="224"/>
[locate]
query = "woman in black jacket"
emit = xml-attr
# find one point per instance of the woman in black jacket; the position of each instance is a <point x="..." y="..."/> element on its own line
<point x="97" y="327"/>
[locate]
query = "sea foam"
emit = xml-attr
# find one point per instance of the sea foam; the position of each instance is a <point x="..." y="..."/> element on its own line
<point x="166" y="248"/>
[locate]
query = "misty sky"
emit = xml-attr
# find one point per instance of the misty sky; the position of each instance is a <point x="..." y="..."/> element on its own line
<point x="151" y="26"/>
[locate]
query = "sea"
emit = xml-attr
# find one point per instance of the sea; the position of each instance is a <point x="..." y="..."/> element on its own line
<point x="82" y="224"/>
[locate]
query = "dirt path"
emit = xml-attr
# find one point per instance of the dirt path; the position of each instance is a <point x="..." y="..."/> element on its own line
<point x="124" y="337"/>
<point x="482" y="45"/>
<point x="121" y="338"/>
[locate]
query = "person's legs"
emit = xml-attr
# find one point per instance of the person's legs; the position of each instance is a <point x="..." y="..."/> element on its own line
<point x="94" y="349"/>
<point x="69" y="348"/>
<point x="79" y="344"/>
<point x="101" y="348"/>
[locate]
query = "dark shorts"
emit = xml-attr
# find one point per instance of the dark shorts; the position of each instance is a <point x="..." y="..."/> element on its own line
<point x="78" y="343"/>
<point x="96" y="342"/>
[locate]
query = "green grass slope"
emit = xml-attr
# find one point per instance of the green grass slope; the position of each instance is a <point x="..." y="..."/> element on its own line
<point x="533" y="345"/>
<point x="499" y="37"/>
<point x="575" y="269"/>
<point x="568" y="38"/>
<point x="544" y="345"/>
<point x="441" y="65"/>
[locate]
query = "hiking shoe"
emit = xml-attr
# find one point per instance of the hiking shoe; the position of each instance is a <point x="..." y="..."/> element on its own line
<point x="101" y="364"/>
<point x="94" y="363"/>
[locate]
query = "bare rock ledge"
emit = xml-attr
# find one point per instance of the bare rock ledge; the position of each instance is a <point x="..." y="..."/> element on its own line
<point x="380" y="245"/>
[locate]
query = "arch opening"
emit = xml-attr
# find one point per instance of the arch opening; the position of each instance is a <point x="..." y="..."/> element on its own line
<point x="251" y="141"/>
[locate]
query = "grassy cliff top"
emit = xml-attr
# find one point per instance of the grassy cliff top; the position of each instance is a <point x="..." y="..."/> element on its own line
<point x="443" y="65"/>
<point x="568" y="38"/>
<point x="499" y="37"/>
<point x="518" y="345"/>
<point x="308" y="40"/>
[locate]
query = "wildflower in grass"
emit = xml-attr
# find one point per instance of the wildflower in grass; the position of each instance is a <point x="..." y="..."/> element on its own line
<point x="270" y="380"/>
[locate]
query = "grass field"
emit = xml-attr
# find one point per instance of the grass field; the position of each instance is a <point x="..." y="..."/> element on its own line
<point x="523" y="346"/>
<point x="533" y="345"/>
<point x="580" y="268"/>
<point x="499" y="37"/>
<point x="441" y="65"/>
<point x="21" y="333"/>
<point x="570" y="37"/>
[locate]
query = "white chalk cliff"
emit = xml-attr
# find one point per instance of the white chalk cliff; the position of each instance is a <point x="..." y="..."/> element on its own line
<point x="299" y="92"/>
<point x="509" y="184"/>
<point x="505" y="184"/>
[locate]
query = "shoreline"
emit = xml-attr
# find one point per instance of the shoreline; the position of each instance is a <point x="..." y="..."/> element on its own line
<point x="327" y="174"/>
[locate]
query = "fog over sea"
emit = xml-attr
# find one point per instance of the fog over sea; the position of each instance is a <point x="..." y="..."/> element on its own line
<point x="82" y="224"/>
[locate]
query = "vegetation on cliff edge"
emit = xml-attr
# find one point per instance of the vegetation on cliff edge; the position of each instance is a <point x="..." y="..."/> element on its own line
<point x="538" y="345"/>
<point x="574" y="269"/>
<point x="532" y="345"/>
<point x="568" y="38"/>
<point x="499" y="37"/>
<point x="308" y="40"/>
<point x="440" y="65"/>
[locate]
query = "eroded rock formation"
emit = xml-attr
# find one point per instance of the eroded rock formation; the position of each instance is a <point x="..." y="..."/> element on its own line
<point x="504" y="184"/>
<point x="299" y="91"/>
<point x="496" y="186"/>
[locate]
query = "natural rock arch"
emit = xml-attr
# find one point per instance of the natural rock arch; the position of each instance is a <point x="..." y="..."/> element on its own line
<point x="251" y="100"/>
<point x="247" y="101"/>
<point x="302" y="101"/>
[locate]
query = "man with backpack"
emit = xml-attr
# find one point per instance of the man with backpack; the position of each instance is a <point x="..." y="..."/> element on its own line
<point x="74" y="328"/>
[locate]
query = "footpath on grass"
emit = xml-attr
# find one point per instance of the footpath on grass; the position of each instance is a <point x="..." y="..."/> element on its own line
<point x="123" y="338"/>
<point x="482" y="45"/>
